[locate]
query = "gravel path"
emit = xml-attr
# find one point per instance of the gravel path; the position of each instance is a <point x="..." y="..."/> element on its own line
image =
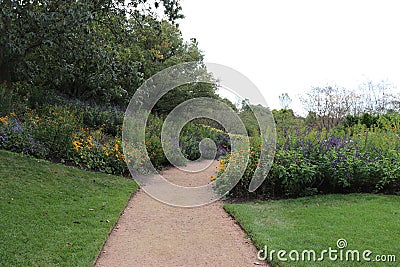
<point x="150" y="233"/>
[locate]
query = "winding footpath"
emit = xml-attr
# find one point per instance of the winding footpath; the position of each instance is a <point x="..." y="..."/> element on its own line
<point x="150" y="233"/>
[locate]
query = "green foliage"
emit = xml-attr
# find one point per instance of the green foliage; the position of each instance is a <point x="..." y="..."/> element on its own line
<point x="181" y="94"/>
<point x="365" y="119"/>
<point x="344" y="160"/>
<point x="189" y="141"/>
<point x="13" y="97"/>
<point x="89" y="135"/>
<point x="248" y="118"/>
<point x="67" y="70"/>
<point x="285" y="118"/>
<point x="6" y="98"/>
<point x="54" y="127"/>
<point x="99" y="50"/>
<point x="191" y="136"/>
<point x="18" y="137"/>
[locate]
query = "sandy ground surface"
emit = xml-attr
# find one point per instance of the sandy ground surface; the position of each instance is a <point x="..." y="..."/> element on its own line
<point x="151" y="233"/>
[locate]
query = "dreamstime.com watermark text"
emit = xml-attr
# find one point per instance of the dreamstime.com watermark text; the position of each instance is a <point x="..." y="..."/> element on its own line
<point x="338" y="253"/>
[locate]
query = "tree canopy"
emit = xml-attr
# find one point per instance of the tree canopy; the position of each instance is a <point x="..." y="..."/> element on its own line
<point x="93" y="49"/>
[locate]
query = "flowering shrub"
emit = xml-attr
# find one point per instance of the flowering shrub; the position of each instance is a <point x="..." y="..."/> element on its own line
<point x="15" y="136"/>
<point x="307" y="162"/>
<point x="57" y="133"/>
<point x="360" y="156"/>
<point x="191" y="136"/>
<point x="54" y="127"/>
<point x="73" y="133"/>
<point x="189" y="141"/>
<point x="95" y="150"/>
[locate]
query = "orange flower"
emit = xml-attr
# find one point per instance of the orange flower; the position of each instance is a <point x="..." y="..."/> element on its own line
<point x="116" y="147"/>
<point x="4" y="120"/>
<point x="77" y="145"/>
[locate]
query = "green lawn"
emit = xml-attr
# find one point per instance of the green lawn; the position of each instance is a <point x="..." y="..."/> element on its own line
<point x="365" y="221"/>
<point x="53" y="215"/>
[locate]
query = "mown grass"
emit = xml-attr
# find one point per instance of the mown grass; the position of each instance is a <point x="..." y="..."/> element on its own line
<point x="365" y="221"/>
<point x="53" y="215"/>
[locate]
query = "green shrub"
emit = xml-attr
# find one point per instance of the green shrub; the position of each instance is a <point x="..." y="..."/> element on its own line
<point x="54" y="127"/>
<point x="344" y="160"/>
<point x="90" y="136"/>
<point x="16" y="136"/>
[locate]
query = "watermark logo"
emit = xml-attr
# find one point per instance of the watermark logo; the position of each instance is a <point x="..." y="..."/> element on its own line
<point x="341" y="243"/>
<point x="146" y="97"/>
<point x="338" y="253"/>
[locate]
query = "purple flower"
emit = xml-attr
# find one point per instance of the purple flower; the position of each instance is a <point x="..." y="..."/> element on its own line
<point x="17" y="127"/>
<point x="3" y="139"/>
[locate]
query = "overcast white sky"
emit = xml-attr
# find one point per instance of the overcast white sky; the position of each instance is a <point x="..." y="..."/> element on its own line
<point x="288" y="46"/>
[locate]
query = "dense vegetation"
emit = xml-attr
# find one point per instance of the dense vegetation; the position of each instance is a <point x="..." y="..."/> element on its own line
<point x="68" y="71"/>
<point x="89" y="136"/>
<point x="348" y="142"/>
<point x="356" y="156"/>
<point x="98" y="50"/>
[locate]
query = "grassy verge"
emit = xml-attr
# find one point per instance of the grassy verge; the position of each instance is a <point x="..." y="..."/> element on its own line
<point x="52" y="215"/>
<point x="365" y="221"/>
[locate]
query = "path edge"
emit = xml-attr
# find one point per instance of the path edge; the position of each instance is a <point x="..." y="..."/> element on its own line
<point x="115" y="225"/>
<point x="244" y="231"/>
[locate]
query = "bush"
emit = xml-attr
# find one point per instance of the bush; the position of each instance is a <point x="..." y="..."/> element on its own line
<point x="95" y="150"/>
<point x="191" y="136"/>
<point x="89" y="135"/>
<point x="54" y="126"/>
<point x="344" y="160"/>
<point x="16" y="136"/>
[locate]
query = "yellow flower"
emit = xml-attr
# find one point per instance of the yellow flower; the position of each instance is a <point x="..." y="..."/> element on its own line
<point x="116" y="147"/>
<point x="90" y="141"/>
<point x="212" y="177"/>
<point x="4" y="120"/>
<point x="107" y="154"/>
<point x="77" y="145"/>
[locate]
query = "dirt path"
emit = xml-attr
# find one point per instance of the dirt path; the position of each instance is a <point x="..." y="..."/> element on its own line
<point x="150" y="233"/>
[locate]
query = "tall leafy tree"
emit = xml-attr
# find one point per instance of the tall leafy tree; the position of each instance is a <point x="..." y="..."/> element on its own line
<point x="77" y="45"/>
<point x="95" y="49"/>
